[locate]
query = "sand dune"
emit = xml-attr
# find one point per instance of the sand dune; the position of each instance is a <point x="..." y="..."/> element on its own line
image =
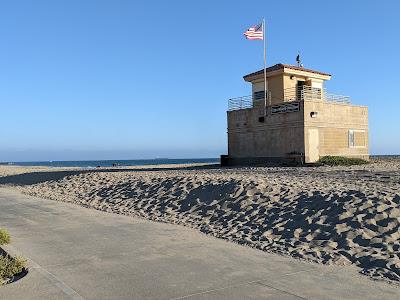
<point x="340" y="215"/>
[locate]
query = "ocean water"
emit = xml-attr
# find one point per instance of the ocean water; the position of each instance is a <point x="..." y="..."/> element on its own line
<point x="109" y="163"/>
<point x="136" y="162"/>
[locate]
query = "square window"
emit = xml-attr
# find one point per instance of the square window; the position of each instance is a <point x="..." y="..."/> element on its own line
<point x="357" y="138"/>
<point x="259" y="95"/>
<point x="351" y="138"/>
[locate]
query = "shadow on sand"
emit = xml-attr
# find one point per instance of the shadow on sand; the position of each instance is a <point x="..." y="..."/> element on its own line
<point x="40" y="177"/>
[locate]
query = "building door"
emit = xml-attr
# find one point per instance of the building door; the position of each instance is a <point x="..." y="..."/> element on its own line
<point x="313" y="145"/>
<point x="299" y="90"/>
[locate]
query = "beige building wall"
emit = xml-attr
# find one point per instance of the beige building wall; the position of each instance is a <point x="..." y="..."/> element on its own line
<point x="281" y="86"/>
<point x="280" y="134"/>
<point x="332" y="129"/>
<point x="290" y="84"/>
<point x="277" y="136"/>
<point x="274" y="87"/>
<point x="334" y="124"/>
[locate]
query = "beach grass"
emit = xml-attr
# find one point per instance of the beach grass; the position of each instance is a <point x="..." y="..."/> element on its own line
<point x="4" y="237"/>
<point x="341" y="161"/>
<point x="10" y="266"/>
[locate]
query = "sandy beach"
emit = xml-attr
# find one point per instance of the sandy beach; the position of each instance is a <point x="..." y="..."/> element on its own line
<point x="329" y="215"/>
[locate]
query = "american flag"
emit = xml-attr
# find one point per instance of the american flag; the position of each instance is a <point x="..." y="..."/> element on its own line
<point x="255" y="32"/>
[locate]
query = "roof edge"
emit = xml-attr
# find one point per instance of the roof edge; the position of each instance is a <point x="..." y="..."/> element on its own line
<point x="283" y="67"/>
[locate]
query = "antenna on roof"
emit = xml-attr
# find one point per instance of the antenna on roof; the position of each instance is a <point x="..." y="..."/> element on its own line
<point x="298" y="60"/>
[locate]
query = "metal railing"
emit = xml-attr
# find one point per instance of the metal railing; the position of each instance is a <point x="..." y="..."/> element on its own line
<point x="336" y="98"/>
<point x="290" y="94"/>
<point x="311" y="93"/>
<point x="241" y="103"/>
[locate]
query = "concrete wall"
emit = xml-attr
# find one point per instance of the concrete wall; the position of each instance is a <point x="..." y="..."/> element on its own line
<point x="332" y="124"/>
<point x="280" y="134"/>
<point x="290" y="83"/>
<point x="277" y="136"/>
<point x="274" y="86"/>
<point x="326" y="134"/>
<point x="276" y="89"/>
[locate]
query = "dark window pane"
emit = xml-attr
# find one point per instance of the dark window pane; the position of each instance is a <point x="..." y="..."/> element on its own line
<point x="259" y="95"/>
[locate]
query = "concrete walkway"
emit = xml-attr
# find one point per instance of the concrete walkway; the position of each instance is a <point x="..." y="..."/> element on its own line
<point x="77" y="253"/>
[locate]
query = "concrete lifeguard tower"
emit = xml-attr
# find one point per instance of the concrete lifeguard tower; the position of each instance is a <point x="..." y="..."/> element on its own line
<point x="298" y="120"/>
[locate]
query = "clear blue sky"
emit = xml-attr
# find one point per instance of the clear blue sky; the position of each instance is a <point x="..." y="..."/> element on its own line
<point x="141" y="79"/>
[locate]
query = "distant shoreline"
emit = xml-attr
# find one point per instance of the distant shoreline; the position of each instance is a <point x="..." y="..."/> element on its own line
<point x="112" y="163"/>
<point x="133" y="162"/>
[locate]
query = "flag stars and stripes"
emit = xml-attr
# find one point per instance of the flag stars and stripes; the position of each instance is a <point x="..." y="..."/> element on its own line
<point x="255" y="32"/>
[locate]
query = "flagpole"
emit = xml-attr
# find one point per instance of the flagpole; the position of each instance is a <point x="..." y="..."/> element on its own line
<point x="265" y="71"/>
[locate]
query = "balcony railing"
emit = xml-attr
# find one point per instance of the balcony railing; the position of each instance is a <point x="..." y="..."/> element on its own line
<point x="311" y="93"/>
<point x="241" y="102"/>
<point x="307" y="93"/>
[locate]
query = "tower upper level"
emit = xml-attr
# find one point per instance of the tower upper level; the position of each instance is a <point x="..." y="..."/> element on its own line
<point x="284" y="82"/>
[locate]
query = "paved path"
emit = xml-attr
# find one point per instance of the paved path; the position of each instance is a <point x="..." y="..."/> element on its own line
<point x="77" y="253"/>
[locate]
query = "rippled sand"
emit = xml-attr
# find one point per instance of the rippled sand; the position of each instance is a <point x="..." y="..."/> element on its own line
<point x="331" y="215"/>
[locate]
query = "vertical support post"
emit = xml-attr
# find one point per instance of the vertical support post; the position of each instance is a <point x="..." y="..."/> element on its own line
<point x="265" y="70"/>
